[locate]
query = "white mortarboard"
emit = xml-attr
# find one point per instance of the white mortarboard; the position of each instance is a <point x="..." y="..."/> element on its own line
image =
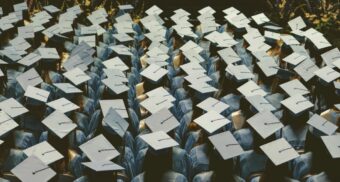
<point x="99" y="149"/>
<point x="231" y="10"/>
<point x="20" y="6"/>
<point x="272" y="35"/>
<point x="259" y="46"/>
<point x="59" y="123"/>
<point x="48" y="53"/>
<point x="163" y="120"/>
<point x="327" y="74"/>
<point x="269" y="68"/>
<point x="37" y="93"/>
<point x="116" y="86"/>
<point x="30" y="59"/>
<point x="12" y="107"/>
<point x="75" y="10"/>
<point x="297" y="104"/>
<point x="97" y="18"/>
<point x="74" y="62"/>
<point x="30" y="77"/>
<point x="238" y="20"/>
<point x="251" y="88"/>
<point x="5" y="24"/>
<point x="125" y="7"/>
<point x="20" y="44"/>
<point x="263" y="56"/>
<point x="6" y="123"/>
<point x="52" y="30"/>
<point x="265" y="123"/>
<point x="332" y="144"/>
<point x="11" y="54"/>
<point x="154" y="10"/>
<point x="67" y="88"/>
<point x="115" y="63"/>
<point x="115" y="121"/>
<point x="122" y="37"/>
<point x="229" y="55"/>
<point x="51" y="9"/>
<point x="33" y="169"/>
<point x="212" y="104"/>
<point x="226" y="145"/>
<point x="45" y="152"/>
<point x="240" y="72"/>
<point x="260" y="103"/>
<point x="103" y="166"/>
<point x="295" y="58"/>
<point x="207" y="10"/>
<point x="260" y="18"/>
<point x="37" y="26"/>
<point x="88" y="30"/>
<point x="118" y="105"/>
<point x="297" y="23"/>
<point x="289" y="40"/>
<point x="160" y="46"/>
<point x="203" y="87"/>
<point x="279" y="151"/>
<point x="121" y="50"/>
<point x="192" y="67"/>
<point x="77" y="76"/>
<point x="322" y="124"/>
<point x="116" y="74"/>
<point x="26" y="32"/>
<point x="306" y="69"/>
<point x="159" y="140"/>
<point x="320" y="41"/>
<point x="154" y="104"/>
<point x="195" y="78"/>
<point x="63" y="105"/>
<point x="211" y="121"/>
<point x="337" y="63"/>
<point x="154" y="72"/>
<point x="90" y="40"/>
<point x="191" y="46"/>
<point x="331" y="56"/>
<point x="294" y="87"/>
<point x="160" y="92"/>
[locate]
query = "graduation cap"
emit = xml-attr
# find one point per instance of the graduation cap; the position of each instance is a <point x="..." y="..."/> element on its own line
<point x="159" y="140"/>
<point x="67" y="88"/>
<point x="26" y="32"/>
<point x="212" y="104"/>
<point x="100" y="166"/>
<point x="99" y="149"/>
<point x="7" y="123"/>
<point x="37" y="93"/>
<point x="63" y="105"/>
<point x="29" y="78"/>
<point x="306" y="69"/>
<point x="260" y="103"/>
<point x="12" y="107"/>
<point x="327" y="74"/>
<point x="117" y="105"/>
<point x="211" y="121"/>
<point x="115" y="63"/>
<point x="192" y="67"/>
<point x="59" y="124"/>
<point x="331" y="57"/>
<point x="154" y="72"/>
<point x="116" y="86"/>
<point x="240" y="72"/>
<point x="265" y="123"/>
<point x="279" y="151"/>
<point x="163" y="120"/>
<point x="226" y="145"/>
<point x="45" y="152"/>
<point x="322" y="124"/>
<point x="229" y="56"/>
<point x="297" y="104"/>
<point x="297" y="23"/>
<point x="195" y="78"/>
<point x="30" y="59"/>
<point x="77" y="76"/>
<point x="294" y="87"/>
<point x="332" y="144"/>
<point x="33" y="169"/>
<point x="202" y="87"/>
<point x="116" y="122"/>
<point x="154" y="104"/>
<point x="251" y="88"/>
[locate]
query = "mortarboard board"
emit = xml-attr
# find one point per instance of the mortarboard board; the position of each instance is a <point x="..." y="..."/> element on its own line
<point x="297" y="104"/>
<point x="163" y="120"/>
<point x="260" y="18"/>
<point x="265" y="123"/>
<point x="229" y="55"/>
<point x="99" y="149"/>
<point x="12" y="107"/>
<point x="212" y="104"/>
<point x="90" y="40"/>
<point x="117" y="105"/>
<point x="279" y="151"/>
<point x="322" y="124"/>
<point x="44" y="151"/>
<point x="159" y="140"/>
<point x="116" y="86"/>
<point x="154" y="72"/>
<point x="59" y="124"/>
<point x="37" y="93"/>
<point x="154" y="104"/>
<point x="67" y="88"/>
<point x="203" y="87"/>
<point x="115" y="121"/>
<point x="48" y="53"/>
<point x="327" y="74"/>
<point x="226" y="145"/>
<point x="331" y="56"/>
<point x="6" y="123"/>
<point x="294" y="87"/>
<point x="240" y="72"/>
<point x="260" y="103"/>
<point x="30" y="59"/>
<point x="33" y="169"/>
<point x="29" y="78"/>
<point x="103" y="166"/>
<point x="297" y="23"/>
<point x="26" y="32"/>
<point x="192" y="67"/>
<point x="332" y="143"/>
<point x="51" y="9"/>
<point x="251" y="88"/>
<point x="211" y="121"/>
<point x="115" y="63"/>
<point x="63" y="105"/>
<point x="306" y="69"/>
<point x="77" y="76"/>
<point x="115" y="74"/>
<point x="269" y="68"/>
<point x="295" y="58"/>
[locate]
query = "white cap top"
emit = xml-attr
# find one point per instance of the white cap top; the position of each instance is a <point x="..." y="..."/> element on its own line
<point x="322" y="124"/>
<point x="12" y="107"/>
<point x="30" y="59"/>
<point x="226" y="145"/>
<point x="26" y="32"/>
<point x="116" y="86"/>
<point x="99" y="149"/>
<point x="192" y="67"/>
<point x="295" y="58"/>
<point x="327" y="74"/>
<point x="154" y="72"/>
<point x="45" y="152"/>
<point x="103" y="166"/>
<point x="154" y="104"/>
<point x="331" y="56"/>
<point x="306" y="69"/>
<point x="59" y="123"/>
<point x="48" y="53"/>
<point x="30" y="77"/>
<point x="115" y="63"/>
<point x="265" y="123"/>
<point x="203" y="87"/>
<point x="67" y="88"/>
<point x="229" y="55"/>
<point x="63" y="105"/>
<point x="332" y="144"/>
<point x="117" y="105"/>
<point x="297" y="104"/>
<point x="269" y="68"/>
<point x="240" y="72"/>
<point x="260" y="103"/>
<point x="251" y="88"/>
<point x="37" y="93"/>
<point x="211" y="121"/>
<point x="33" y="169"/>
<point x="90" y="40"/>
<point x="297" y="23"/>
<point x="294" y="87"/>
<point x="6" y="123"/>
<point x="212" y="104"/>
<point x="116" y="122"/>
<point x="163" y="120"/>
<point x="159" y="140"/>
<point x="279" y="151"/>
<point x="289" y="40"/>
<point x="260" y="18"/>
<point x="77" y="76"/>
